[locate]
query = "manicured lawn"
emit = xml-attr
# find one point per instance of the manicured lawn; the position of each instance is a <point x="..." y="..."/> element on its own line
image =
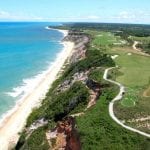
<point x="105" y="39"/>
<point x="130" y="97"/>
<point x="135" y="67"/>
<point x="136" y="70"/>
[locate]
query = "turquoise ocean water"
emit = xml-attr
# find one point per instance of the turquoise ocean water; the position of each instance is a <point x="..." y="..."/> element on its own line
<point x="26" y="50"/>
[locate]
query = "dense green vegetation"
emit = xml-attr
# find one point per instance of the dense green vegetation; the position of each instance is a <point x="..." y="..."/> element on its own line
<point x="37" y="141"/>
<point x="57" y="106"/>
<point x="54" y="108"/>
<point x="126" y="29"/>
<point x="144" y="43"/>
<point x="98" y="131"/>
<point x="94" y="58"/>
<point x="97" y="75"/>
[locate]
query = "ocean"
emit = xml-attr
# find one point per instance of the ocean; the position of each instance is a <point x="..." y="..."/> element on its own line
<point x="27" y="50"/>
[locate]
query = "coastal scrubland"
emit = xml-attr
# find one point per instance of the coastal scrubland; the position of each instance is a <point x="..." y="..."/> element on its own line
<point x="71" y="92"/>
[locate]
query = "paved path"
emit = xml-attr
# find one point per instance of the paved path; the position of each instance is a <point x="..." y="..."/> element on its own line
<point x="119" y="97"/>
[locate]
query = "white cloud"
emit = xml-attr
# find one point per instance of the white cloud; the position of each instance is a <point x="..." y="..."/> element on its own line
<point x="4" y="15"/>
<point x="79" y="18"/>
<point x="9" y="16"/>
<point x="126" y="15"/>
<point x="132" y="16"/>
<point x="93" y="17"/>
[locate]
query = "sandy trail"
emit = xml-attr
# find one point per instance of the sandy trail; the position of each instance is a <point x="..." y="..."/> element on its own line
<point x="134" y="46"/>
<point x="15" y="122"/>
<point x="138" y="51"/>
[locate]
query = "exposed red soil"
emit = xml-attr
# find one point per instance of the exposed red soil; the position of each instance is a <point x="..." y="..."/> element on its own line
<point x="66" y="135"/>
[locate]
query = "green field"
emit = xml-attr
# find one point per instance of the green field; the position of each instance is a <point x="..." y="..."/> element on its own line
<point x="135" y="67"/>
<point x="104" y="39"/>
<point x="136" y="70"/>
<point x="130" y="98"/>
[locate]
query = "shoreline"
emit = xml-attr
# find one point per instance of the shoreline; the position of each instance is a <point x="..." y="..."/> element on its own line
<point x="15" y="119"/>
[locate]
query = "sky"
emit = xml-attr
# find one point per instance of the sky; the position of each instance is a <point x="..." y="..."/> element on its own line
<point x="116" y="11"/>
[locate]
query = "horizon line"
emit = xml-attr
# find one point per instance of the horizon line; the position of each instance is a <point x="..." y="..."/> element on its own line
<point x="22" y="21"/>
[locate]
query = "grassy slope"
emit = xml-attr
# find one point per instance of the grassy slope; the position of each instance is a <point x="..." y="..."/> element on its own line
<point x="99" y="132"/>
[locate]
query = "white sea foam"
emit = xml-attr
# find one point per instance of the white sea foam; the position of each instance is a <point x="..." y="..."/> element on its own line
<point x="26" y="88"/>
<point x="47" y="28"/>
<point x="65" y="32"/>
<point x="28" y="85"/>
<point x="20" y="92"/>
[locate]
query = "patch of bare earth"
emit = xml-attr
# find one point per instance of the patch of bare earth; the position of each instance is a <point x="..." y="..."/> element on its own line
<point x="146" y="93"/>
<point x="141" y="123"/>
<point x="130" y="50"/>
<point x="64" y="136"/>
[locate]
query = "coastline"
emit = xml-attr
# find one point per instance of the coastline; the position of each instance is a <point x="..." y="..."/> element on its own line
<point x="16" y="119"/>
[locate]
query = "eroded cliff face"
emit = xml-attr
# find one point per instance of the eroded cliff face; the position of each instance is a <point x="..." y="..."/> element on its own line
<point x="80" y="40"/>
<point x="64" y="136"/>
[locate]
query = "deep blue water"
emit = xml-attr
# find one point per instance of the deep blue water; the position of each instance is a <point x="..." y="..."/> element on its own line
<point x="26" y="49"/>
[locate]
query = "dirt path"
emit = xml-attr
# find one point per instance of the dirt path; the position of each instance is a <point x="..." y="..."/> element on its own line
<point x="134" y="46"/>
<point x="117" y="98"/>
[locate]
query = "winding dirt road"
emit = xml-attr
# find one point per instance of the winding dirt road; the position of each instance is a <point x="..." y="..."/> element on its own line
<point x="137" y="50"/>
<point x="117" y="98"/>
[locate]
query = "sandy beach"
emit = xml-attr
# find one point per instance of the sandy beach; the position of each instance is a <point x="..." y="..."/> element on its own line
<point x="15" y="121"/>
